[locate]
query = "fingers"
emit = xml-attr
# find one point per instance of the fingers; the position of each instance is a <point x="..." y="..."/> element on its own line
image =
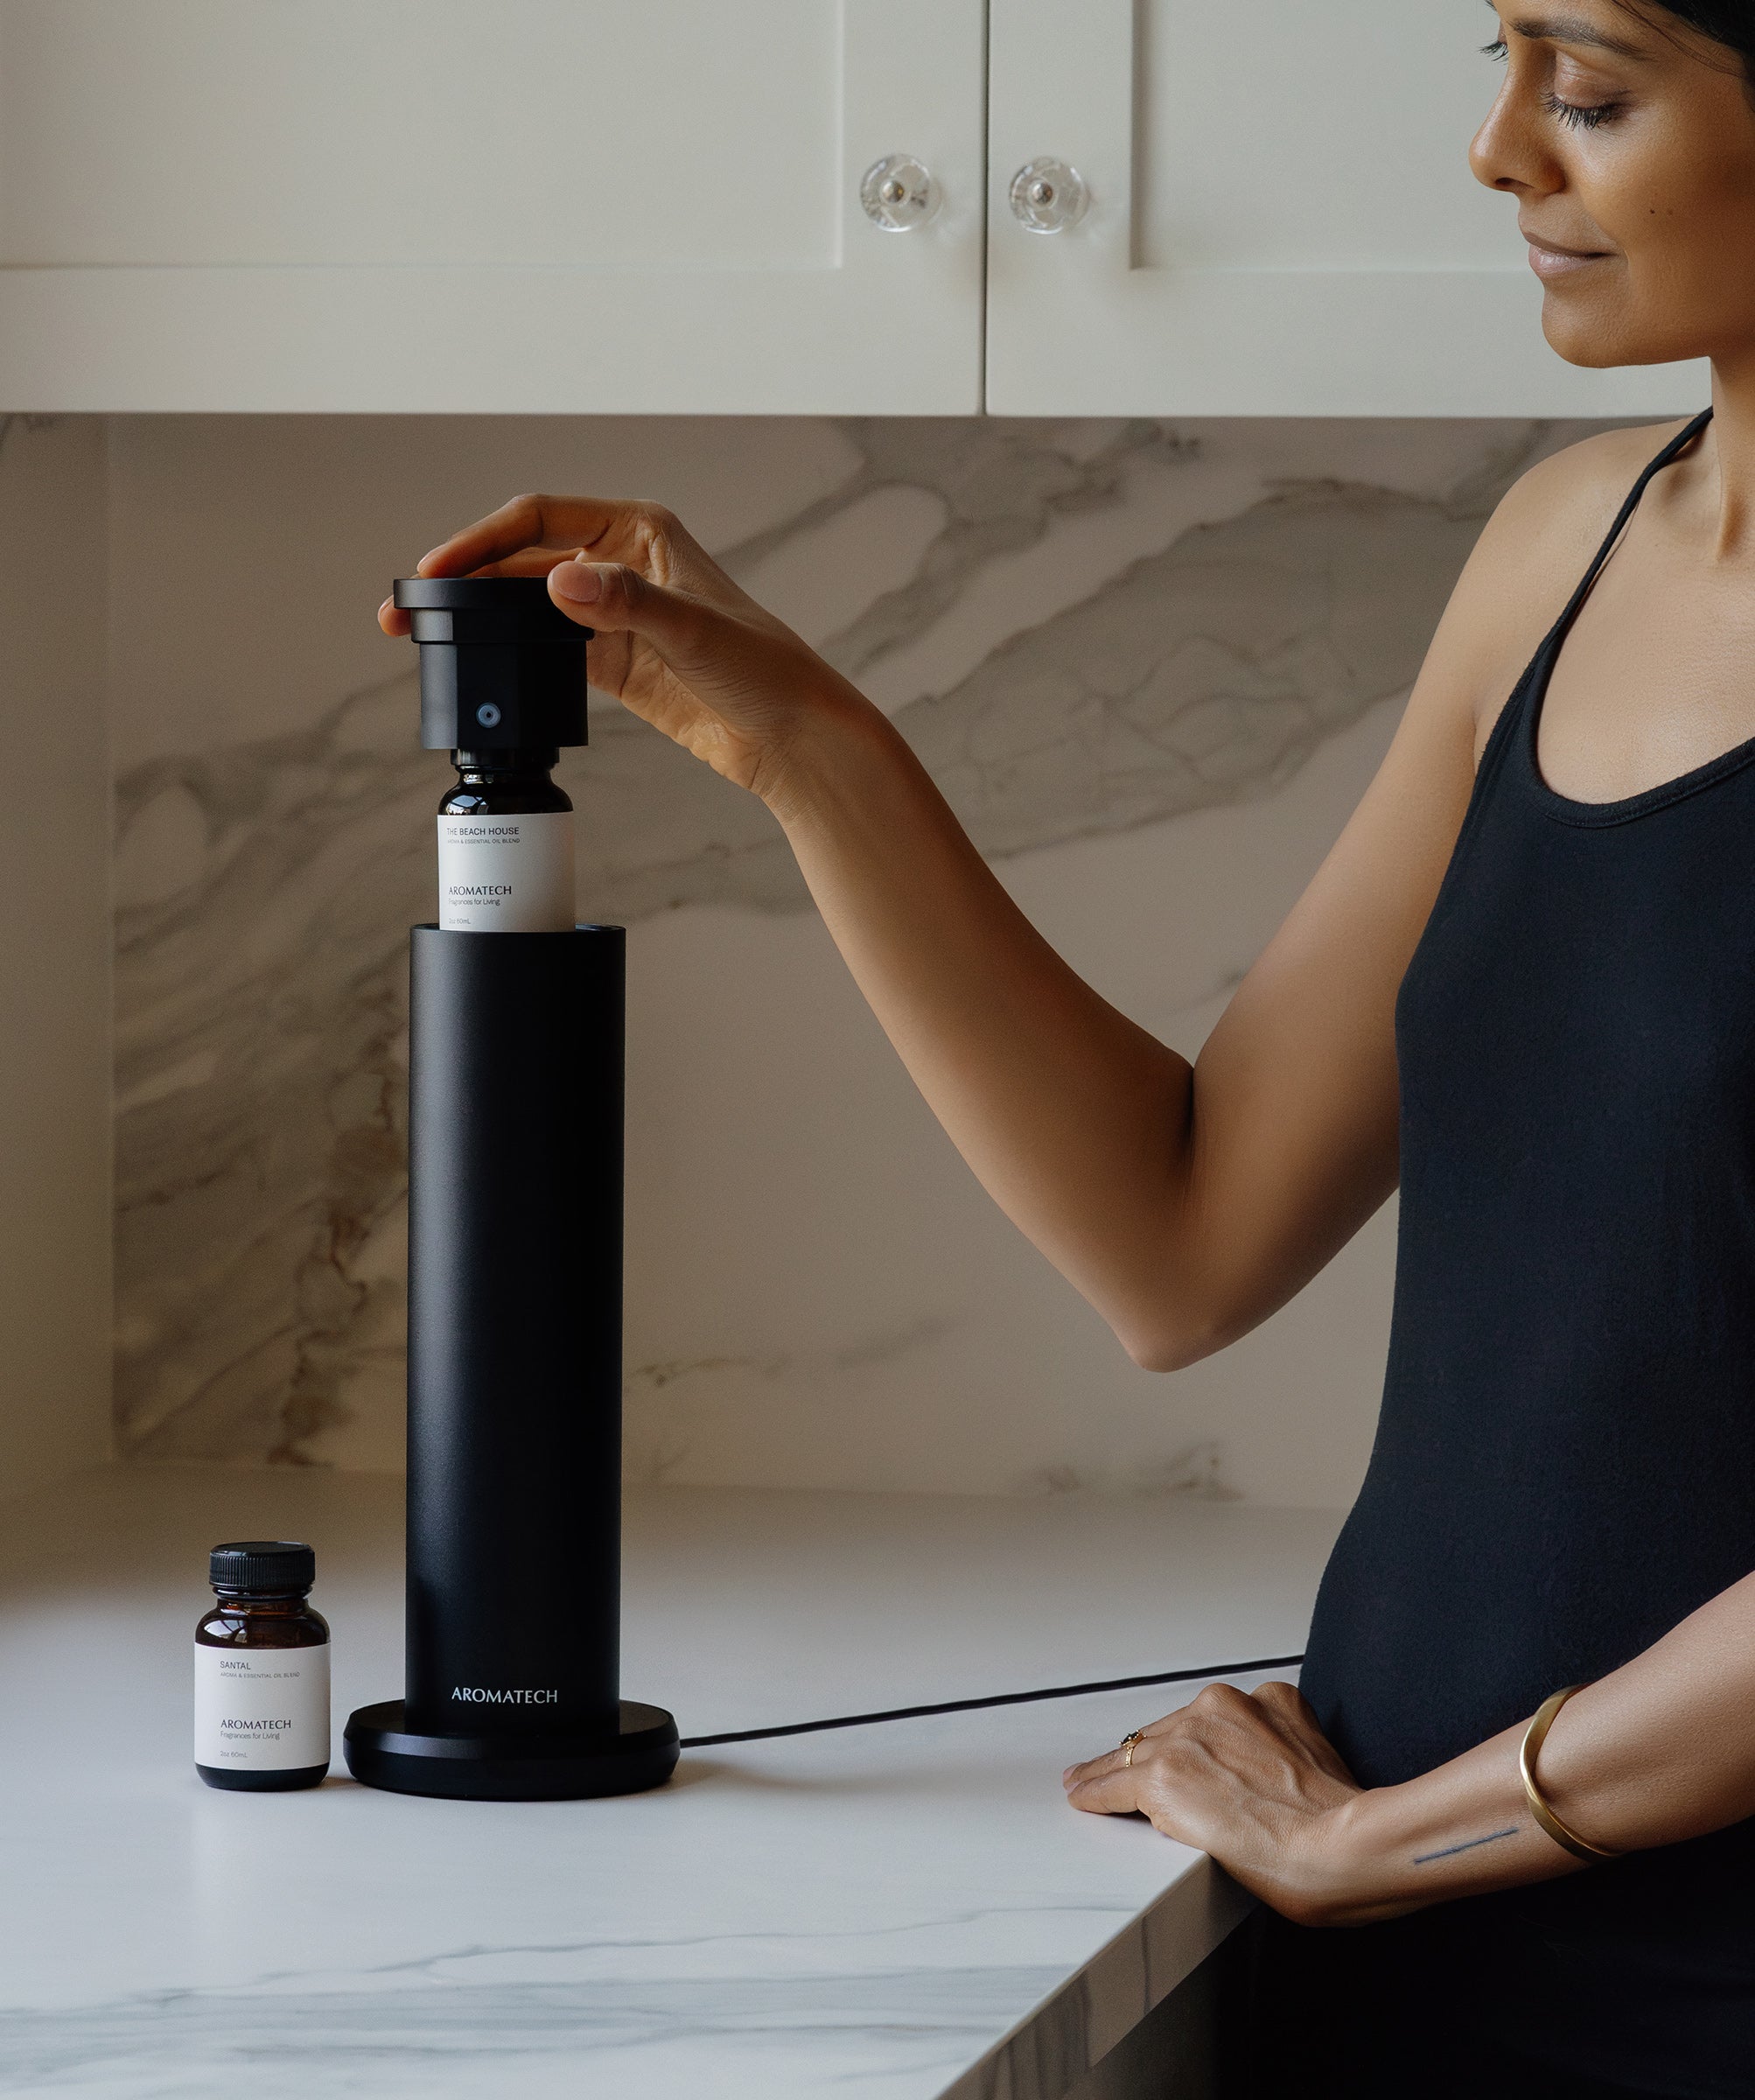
<point x="645" y="535"/>
<point x="526" y="522"/>
<point x="1279" y="1707"/>
<point x="1111" y="1762"/>
<point x="533" y="534"/>
<point x="1264" y="1748"/>
<point x="1153" y="1786"/>
<point x="1116" y="1759"/>
<point x="1113" y="1793"/>
<point x="532" y="560"/>
<point x="614" y="598"/>
<point x="1096" y="1768"/>
<point x="608" y="596"/>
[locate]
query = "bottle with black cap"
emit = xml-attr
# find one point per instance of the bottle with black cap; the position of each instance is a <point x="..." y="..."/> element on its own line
<point x="501" y="689"/>
<point x="262" y="1670"/>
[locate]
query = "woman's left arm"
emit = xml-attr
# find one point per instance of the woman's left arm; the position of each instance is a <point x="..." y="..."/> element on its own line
<point x="1660" y="1750"/>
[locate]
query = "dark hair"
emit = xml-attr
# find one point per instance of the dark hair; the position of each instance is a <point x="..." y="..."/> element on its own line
<point x="1728" y="22"/>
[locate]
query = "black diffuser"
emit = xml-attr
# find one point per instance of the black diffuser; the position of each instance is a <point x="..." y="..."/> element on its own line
<point x="514" y="1294"/>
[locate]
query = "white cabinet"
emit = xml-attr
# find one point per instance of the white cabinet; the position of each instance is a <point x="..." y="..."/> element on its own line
<point x="1281" y="219"/>
<point x="616" y="205"/>
<point x="534" y="206"/>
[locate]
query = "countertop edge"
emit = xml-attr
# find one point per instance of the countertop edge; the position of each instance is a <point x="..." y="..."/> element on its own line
<point x="1068" y="2034"/>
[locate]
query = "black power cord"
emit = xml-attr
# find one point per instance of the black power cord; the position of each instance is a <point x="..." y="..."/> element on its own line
<point x="999" y="1698"/>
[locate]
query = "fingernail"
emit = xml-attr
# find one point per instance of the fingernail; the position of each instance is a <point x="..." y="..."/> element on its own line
<point x="428" y="554"/>
<point x="577" y="581"/>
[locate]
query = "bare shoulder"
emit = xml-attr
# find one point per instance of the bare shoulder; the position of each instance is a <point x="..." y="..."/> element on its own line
<point x="1571" y="497"/>
<point x="1530" y="556"/>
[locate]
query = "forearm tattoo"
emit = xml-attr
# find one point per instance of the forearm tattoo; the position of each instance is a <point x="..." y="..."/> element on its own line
<point x="1467" y="1845"/>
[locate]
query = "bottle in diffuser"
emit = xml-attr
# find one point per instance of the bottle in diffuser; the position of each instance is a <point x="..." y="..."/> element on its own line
<point x="505" y="846"/>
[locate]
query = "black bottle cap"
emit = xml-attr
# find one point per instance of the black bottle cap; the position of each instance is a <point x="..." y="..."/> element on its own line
<point x="502" y="667"/>
<point x="267" y="1567"/>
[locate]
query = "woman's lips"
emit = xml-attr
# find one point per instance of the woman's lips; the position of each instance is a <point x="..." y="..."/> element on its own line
<point x="1551" y="262"/>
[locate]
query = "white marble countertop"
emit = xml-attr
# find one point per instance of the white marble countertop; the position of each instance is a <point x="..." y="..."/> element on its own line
<point x="910" y="1911"/>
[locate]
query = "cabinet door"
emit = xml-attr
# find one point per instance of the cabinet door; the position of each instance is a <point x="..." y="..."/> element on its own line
<point x="534" y="205"/>
<point x="1281" y="219"/>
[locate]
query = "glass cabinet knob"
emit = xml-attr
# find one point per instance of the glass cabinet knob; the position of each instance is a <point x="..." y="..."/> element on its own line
<point x="1047" y="197"/>
<point x="899" y="193"/>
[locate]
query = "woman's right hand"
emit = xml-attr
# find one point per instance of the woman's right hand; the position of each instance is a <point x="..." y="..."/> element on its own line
<point x="676" y="642"/>
<point x="1185" y="1214"/>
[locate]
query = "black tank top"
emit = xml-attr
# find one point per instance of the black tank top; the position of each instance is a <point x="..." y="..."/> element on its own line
<point x="1564" y="1465"/>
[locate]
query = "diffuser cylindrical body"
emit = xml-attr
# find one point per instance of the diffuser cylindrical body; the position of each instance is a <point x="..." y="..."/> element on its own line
<point x="514" y="1332"/>
<point x="514" y="1253"/>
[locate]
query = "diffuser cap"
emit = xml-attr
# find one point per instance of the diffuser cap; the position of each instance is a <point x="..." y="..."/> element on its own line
<point x="502" y="667"/>
<point x="276" y="1567"/>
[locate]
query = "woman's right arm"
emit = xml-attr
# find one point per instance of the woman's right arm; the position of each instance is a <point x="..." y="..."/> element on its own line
<point x="1186" y="1201"/>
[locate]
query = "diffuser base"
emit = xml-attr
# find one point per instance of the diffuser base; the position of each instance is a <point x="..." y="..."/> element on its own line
<point x="383" y="1751"/>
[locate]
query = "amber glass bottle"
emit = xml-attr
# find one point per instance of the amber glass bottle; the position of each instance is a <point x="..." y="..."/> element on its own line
<point x="505" y="846"/>
<point x="262" y="1670"/>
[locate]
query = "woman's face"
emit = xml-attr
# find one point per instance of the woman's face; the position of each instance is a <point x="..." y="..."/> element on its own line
<point x="1629" y="143"/>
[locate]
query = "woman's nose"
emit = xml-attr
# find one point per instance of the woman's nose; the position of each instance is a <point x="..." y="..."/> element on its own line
<point x="1508" y="152"/>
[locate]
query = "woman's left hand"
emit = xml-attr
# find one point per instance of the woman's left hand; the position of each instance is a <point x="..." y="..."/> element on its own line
<point x="1251" y="1778"/>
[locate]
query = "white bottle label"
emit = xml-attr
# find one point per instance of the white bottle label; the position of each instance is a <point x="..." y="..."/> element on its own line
<point x="507" y="874"/>
<point x="261" y="1709"/>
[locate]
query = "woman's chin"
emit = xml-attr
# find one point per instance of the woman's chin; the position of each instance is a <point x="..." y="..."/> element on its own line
<point x="1593" y="333"/>
<point x="1593" y="339"/>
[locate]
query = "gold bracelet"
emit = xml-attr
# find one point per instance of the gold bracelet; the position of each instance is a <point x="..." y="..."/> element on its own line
<point x="1533" y="1737"/>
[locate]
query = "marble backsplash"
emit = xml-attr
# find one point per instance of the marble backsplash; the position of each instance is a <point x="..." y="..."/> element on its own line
<point x="1152" y="669"/>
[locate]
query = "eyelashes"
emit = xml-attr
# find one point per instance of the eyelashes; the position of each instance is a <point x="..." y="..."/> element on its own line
<point x="1576" y="117"/>
<point x="1579" y="116"/>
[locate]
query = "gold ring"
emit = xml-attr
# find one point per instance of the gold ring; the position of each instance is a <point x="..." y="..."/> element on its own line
<point x="1130" y="1743"/>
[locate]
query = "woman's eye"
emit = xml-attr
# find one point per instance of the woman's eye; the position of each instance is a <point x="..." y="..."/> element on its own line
<point x="1581" y="117"/>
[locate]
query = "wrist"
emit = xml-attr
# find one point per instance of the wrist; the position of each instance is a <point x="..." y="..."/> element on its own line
<point x="833" y="754"/>
<point x="1463" y="1829"/>
<point x="1342" y="1871"/>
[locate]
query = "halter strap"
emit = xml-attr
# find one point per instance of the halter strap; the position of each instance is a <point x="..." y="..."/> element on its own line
<point x="1673" y="450"/>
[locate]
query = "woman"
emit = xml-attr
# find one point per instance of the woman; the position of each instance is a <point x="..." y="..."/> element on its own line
<point x="1523" y="983"/>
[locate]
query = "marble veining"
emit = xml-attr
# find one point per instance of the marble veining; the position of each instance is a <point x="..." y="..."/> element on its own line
<point x="794" y="2034"/>
<point x="911" y="1911"/>
<point x="264" y="888"/>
